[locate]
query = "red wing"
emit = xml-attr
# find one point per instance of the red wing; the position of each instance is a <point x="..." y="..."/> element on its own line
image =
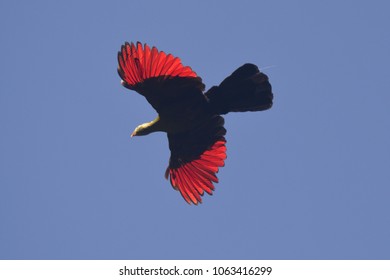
<point x="137" y="63"/>
<point x="195" y="159"/>
<point x="161" y="78"/>
<point x="194" y="178"/>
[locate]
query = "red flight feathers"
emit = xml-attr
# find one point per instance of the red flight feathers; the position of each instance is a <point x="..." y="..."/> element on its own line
<point x="194" y="174"/>
<point x="194" y="178"/>
<point x="137" y="63"/>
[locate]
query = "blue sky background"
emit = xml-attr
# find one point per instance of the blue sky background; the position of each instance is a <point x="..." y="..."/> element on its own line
<point x="308" y="179"/>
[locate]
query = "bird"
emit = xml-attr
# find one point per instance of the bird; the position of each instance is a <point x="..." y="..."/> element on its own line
<point x="189" y="115"/>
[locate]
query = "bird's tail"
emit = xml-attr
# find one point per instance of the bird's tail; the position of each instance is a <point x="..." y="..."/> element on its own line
<point x="247" y="89"/>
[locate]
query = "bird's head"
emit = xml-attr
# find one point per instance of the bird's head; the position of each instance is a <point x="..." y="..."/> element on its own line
<point x="140" y="130"/>
<point x="146" y="128"/>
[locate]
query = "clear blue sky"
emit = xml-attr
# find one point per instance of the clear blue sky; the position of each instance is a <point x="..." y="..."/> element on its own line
<point x="308" y="179"/>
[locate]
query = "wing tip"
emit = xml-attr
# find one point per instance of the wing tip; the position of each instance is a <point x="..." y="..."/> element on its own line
<point x="188" y="191"/>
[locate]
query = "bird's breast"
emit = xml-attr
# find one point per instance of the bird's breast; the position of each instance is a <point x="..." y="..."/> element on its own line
<point x="183" y="120"/>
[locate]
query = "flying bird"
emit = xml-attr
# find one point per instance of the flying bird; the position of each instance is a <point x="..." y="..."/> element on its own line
<point x="190" y="117"/>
